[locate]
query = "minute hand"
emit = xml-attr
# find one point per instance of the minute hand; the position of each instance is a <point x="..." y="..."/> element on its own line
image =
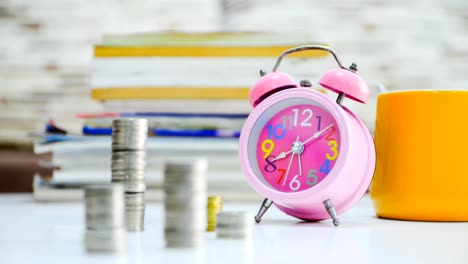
<point x="317" y="134"/>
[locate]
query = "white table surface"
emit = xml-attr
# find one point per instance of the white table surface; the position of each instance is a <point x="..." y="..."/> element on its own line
<point x="52" y="233"/>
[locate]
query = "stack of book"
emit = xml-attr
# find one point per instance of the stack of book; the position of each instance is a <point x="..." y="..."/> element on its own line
<point x="192" y="88"/>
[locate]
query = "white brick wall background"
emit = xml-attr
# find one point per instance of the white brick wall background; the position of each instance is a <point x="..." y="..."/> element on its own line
<point x="46" y="45"/>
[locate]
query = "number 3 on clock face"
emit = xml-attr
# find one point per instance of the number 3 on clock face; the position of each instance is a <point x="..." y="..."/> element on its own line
<point x="310" y="159"/>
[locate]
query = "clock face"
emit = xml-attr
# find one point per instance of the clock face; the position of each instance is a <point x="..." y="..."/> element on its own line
<point x="297" y="146"/>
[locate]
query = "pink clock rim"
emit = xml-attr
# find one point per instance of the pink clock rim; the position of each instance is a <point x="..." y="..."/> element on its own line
<point x="343" y="127"/>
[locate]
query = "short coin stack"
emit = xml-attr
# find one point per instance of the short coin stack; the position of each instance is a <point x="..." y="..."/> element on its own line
<point x="237" y="225"/>
<point x="128" y="166"/>
<point x="215" y="205"/>
<point x="105" y="230"/>
<point x="185" y="203"/>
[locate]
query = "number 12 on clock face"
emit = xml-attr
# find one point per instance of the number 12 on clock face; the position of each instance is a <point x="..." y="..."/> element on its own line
<point x="293" y="120"/>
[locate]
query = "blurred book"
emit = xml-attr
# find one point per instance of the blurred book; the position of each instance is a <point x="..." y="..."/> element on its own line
<point x="214" y="44"/>
<point x="174" y="100"/>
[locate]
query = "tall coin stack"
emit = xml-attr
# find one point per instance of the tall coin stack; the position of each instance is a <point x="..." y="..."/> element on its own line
<point x="185" y="203"/>
<point x="237" y="225"/>
<point x="215" y="205"/>
<point x="128" y="167"/>
<point x="105" y="230"/>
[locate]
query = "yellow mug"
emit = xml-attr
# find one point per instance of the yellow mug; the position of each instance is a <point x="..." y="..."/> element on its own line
<point x="421" y="140"/>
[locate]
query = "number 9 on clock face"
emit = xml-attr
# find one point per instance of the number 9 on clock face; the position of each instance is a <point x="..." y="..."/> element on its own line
<point x="290" y="128"/>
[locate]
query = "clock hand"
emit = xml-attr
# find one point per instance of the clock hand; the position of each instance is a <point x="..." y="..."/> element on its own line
<point x="299" y="159"/>
<point x="300" y="166"/>
<point x="316" y="135"/>
<point x="282" y="155"/>
<point x="287" y="170"/>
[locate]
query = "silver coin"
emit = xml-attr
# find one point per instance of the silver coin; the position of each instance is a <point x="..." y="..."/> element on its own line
<point x="131" y="185"/>
<point x="226" y="218"/>
<point x="113" y="240"/>
<point x="187" y="196"/>
<point x="134" y="198"/>
<point x="185" y="186"/>
<point x="104" y="190"/>
<point x="178" y="217"/>
<point x="122" y="133"/>
<point x="234" y="234"/>
<point x="103" y="204"/>
<point x="104" y="221"/>
<point x="234" y="225"/>
<point x="187" y="172"/>
<point x="106" y="206"/>
<point x="129" y="158"/>
<point x="127" y="132"/>
<point x="124" y="142"/>
<point x="104" y="212"/>
<point x="171" y="179"/>
<point x="130" y="144"/>
<point x="184" y="191"/>
<point x="129" y="121"/>
<point x="135" y="211"/>
<point x="128" y="174"/>
<point x="184" y="241"/>
<point x="133" y="168"/>
<point x="183" y="231"/>
<point x="104" y="198"/>
<point x="129" y="141"/>
<point x="184" y="219"/>
<point x="182" y="166"/>
<point x="188" y="211"/>
<point x="185" y="226"/>
<point x="198" y="197"/>
<point x="135" y="220"/>
<point x="128" y="166"/>
<point x="127" y="154"/>
<point x="184" y="206"/>
<point x="131" y="172"/>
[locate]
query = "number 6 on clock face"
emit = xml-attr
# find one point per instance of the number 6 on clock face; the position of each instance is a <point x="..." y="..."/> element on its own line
<point x="292" y="128"/>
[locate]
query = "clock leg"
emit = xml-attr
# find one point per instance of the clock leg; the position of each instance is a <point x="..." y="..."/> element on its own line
<point x="331" y="211"/>
<point x="265" y="206"/>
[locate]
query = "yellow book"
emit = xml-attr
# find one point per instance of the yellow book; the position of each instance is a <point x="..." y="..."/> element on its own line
<point x="160" y="92"/>
<point x="243" y="44"/>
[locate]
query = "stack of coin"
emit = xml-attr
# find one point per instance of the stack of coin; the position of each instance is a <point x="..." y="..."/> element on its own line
<point x="215" y="205"/>
<point x="185" y="202"/>
<point x="105" y="230"/>
<point x="135" y="211"/>
<point x="128" y="166"/>
<point x="236" y="225"/>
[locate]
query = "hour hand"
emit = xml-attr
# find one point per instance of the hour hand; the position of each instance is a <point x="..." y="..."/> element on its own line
<point x="282" y="155"/>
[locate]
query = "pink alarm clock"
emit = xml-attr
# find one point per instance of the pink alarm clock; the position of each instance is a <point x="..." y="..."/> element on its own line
<point x="304" y="151"/>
